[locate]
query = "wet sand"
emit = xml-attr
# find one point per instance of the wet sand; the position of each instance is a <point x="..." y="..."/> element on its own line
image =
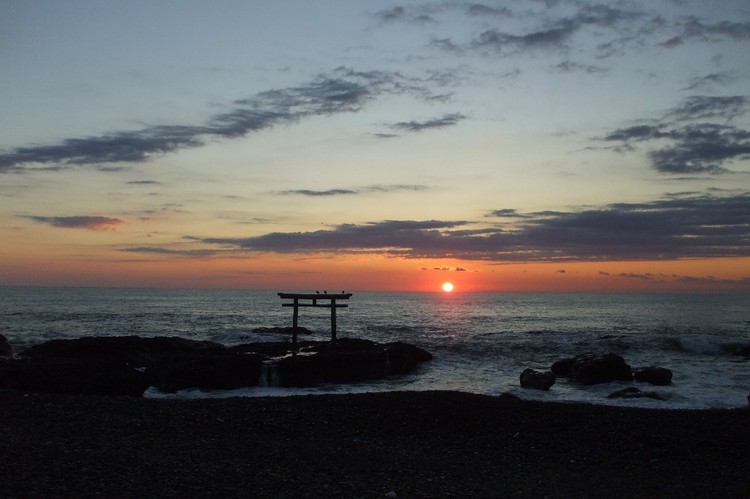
<point x="400" y="444"/>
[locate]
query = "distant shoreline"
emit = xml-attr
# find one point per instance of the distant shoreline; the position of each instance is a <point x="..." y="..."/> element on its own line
<point x="366" y="445"/>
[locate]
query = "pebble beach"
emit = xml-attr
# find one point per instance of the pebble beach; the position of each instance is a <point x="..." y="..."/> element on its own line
<point x="391" y="444"/>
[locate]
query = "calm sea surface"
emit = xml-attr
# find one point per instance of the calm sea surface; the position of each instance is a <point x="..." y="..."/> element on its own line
<point x="481" y="341"/>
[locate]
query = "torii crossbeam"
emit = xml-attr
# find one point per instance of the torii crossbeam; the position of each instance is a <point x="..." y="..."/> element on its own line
<point x="328" y="300"/>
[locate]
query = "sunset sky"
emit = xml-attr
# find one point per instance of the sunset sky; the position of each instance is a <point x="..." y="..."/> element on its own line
<point x="538" y="145"/>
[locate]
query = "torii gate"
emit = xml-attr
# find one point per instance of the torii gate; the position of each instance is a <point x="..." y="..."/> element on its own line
<point x="313" y="299"/>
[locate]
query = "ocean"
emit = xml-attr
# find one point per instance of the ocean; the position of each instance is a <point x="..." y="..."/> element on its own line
<point x="480" y="341"/>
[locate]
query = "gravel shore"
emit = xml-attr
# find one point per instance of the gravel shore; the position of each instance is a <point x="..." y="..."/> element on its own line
<point x="399" y="444"/>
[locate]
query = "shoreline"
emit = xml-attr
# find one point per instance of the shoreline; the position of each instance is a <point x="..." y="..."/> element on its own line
<point x="413" y="444"/>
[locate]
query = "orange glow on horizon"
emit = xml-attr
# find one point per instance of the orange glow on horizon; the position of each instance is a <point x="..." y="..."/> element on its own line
<point x="366" y="273"/>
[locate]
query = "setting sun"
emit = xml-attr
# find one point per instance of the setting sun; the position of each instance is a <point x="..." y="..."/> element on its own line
<point x="447" y="287"/>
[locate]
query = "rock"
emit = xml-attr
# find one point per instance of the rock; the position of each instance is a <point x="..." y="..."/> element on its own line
<point x="211" y="370"/>
<point x="72" y="376"/>
<point x="744" y="351"/>
<point x="173" y="364"/>
<point x="537" y="380"/>
<point x="594" y="368"/>
<point x="633" y="392"/>
<point x="131" y="350"/>
<point x="281" y="330"/>
<point x="348" y="360"/>
<point x="6" y="351"/>
<point x="563" y="368"/>
<point x="345" y="361"/>
<point x="654" y="375"/>
<point x="403" y="358"/>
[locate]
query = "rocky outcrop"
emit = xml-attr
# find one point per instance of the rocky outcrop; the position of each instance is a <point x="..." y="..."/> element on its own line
<point x="6" y="351"/>
<point x="537" y="380"/>
<point x="347" y="361"/>
<point x="128" y="365"/>
<point x="659" y="376"/>
<point x="563" y="368"/>
<point x="288" y="330"/>
<point x="72" y="376"/>
<point x="633" y="392"/>
<point x="211" y="370"/>
<point x="594" y="368"/>
<point x="130" y="350"/>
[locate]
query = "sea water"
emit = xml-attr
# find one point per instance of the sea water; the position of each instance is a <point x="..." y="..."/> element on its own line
<point x="480" y="341"/>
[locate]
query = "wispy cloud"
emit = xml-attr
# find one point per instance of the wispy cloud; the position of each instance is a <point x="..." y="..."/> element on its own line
<point x="673" y="228"/>
<point x="95" y="223"/>
<point x="692" y="28"/>
<point x="311" y="193"/>
<point x="143" y="182"/>
<point x="551" y="32"/>
<point x="694" y="144"/>
<point x="343" y="90"/>
<point x="447" y="120"/>
<point x="355" y="190"/>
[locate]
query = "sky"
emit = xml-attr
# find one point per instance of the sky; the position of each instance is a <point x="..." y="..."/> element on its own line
<point x="535" y="145"/>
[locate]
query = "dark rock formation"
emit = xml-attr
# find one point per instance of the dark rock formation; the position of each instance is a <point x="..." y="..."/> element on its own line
<point x="594" y="368"/>
<point x="563" y="368"/>
<point x="744" y="351"/>
<point x="72" y="376"/>
<point x="537" y="380"/>
<point x="633" y="392"/>
<point x="281" y="330"/>
<point x="108" y="365"/>
<point x="131" y="350"/>
<point x="403" y="358"/>
<point x="347" y="361"/>
<point x="6" y="351"/>
<point x="654" y="375"/>
<point x="210" y="370"/>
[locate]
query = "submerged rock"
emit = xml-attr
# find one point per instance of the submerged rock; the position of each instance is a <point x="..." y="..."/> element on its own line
<point x="537" y="380"/>
<point x="633" y="392"/>
<point x="654" y="375"/>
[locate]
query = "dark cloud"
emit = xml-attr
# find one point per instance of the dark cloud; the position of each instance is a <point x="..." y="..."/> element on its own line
<point x="693" y="144"/>
<point x="358" y="190"/>
<point x="311" y="193"/>
<point x="692" y="28"/>
<point x="701" y="107"/>
<point x="709" y="80"/>
<point x="673" y="228"/>
<point x="413" y="14"/>
<point x="418" y="126"/>
<point x="571" y="67"/>
<point x="172" y="252"/>
<point x="507" y="213"/>
<point x="143" y="182"/>
<point x="79" y="222"/>
<point x="555" y="33"/>
<point x="344" y="90"/>
<point x="481" y="10"/>
<point x="702" y="149"/>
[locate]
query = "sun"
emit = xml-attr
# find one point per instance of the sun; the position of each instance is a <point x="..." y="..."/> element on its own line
<point x="447" y="287"/>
